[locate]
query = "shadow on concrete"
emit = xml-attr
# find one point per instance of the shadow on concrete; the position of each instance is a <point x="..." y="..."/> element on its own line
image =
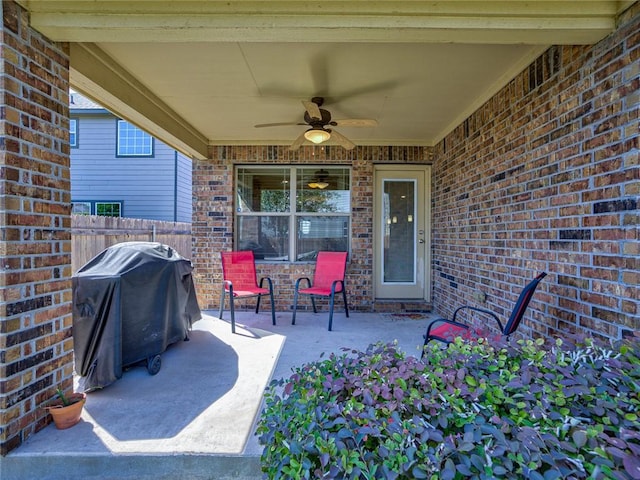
<point x="196" y="418"/>
<point x="194" y="375"/>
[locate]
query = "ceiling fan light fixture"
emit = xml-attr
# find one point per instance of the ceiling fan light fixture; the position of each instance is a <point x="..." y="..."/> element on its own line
<point x="317" y="135"/>
<point x="318" y="184"/>
<point x="319" y="180"/>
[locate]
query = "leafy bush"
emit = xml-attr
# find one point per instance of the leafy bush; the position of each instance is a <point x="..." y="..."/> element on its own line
<point x="475" y="410"/>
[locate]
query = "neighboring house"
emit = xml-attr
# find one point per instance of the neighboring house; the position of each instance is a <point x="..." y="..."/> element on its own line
<point x="121" y="171"/>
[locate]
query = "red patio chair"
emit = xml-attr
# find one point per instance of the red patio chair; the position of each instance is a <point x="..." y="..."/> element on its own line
<point x="445" y="330"/>
<point x="239" y="281"/>
<point x="328" y="279"/>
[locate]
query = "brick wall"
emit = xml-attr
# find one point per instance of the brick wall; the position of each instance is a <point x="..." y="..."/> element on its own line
<point x="545" y="176"/>
<point x="35" y="291"/>
<point x="212" y="225"/>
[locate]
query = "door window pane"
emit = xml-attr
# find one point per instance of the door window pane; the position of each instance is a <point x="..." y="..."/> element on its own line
<point x="399" y="231"/>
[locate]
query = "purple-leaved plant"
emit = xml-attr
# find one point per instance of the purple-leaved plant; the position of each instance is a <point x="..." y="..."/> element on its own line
<point x="478" y="409"/>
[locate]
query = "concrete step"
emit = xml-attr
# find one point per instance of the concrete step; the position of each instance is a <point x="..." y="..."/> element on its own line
<point x="401" y="306"/>
<point x="130" y="467"/>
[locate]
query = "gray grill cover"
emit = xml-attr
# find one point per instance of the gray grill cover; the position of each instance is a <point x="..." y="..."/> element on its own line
<point x="130" y="303"/>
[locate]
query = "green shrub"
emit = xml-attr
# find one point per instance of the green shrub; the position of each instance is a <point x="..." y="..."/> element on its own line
<point x="475" y="410"/>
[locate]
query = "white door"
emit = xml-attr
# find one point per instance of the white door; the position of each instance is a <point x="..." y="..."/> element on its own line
<point x="401" y="224"/>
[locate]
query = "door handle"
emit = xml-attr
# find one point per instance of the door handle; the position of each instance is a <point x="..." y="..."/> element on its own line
<point x="421" y="241"/>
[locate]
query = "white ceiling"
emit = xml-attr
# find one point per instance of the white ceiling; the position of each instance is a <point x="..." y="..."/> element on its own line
<point x="204" y="73"/>
<point x="416" y="92"/>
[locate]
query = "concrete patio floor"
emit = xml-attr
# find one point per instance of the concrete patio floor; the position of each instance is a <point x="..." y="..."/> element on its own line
<point x="196" y="418"/>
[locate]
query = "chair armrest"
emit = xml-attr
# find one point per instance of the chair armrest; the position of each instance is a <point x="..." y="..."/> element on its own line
<point x="228" y="285"/>
<point x="300" y="280"/>
<point x="476" y="309"/>
<point x="334" y="284"/>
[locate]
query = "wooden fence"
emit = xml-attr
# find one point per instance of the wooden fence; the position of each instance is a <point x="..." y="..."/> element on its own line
<point x="91" y="234"/>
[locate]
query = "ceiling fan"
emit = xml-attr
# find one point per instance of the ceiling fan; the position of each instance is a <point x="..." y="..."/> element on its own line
<point x="319" y="119"/>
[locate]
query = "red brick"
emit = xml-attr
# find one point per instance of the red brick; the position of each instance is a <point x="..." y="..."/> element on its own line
<point x="580" y="137"/>
<point x="32" y="167"/>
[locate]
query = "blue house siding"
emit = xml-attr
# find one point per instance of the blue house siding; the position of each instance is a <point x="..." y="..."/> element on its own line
<point x="154" y="188"/>
<point x="184" y="184"/>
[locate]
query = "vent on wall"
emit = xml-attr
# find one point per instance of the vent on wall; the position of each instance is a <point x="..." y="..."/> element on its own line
<point x="545" y="67"/>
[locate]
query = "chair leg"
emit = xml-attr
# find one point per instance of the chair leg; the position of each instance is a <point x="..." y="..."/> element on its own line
<point x="428" y="338"/>
<point x="424" y="345"/>
<point x="313" y="302"/>
<point x="233" y="315"/>
<point x="331" y="302"/>
<point x="273" y="307"/>
<point x="221" y="303"/>
<point x="344" y="298"/>
<point x="295" y="306"/>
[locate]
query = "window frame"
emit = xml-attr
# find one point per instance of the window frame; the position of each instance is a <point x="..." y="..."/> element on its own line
<point x="293" y="215"/>
<point x="103" y="202"/>
<point x="151" y="153"/>
<point x="73" y="132"/>
<point x="93" y="207"/>
<point x="81" y="202"/>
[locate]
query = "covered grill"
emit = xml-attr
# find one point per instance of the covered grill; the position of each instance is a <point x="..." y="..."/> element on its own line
<point x="130" y="303"/>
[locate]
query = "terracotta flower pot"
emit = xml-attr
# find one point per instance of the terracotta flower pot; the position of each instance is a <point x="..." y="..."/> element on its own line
<point x="65" y="417"/>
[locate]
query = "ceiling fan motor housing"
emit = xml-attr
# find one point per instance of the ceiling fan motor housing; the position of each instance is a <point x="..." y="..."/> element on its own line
<point x="318" y="123"/>
<point x="319" y="119"/>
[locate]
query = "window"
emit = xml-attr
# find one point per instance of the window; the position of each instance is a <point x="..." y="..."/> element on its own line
<point x="108" y="209"/>
<point x="288" y="213"/>
<point x="81" y="208"/>
<point x="105" y="209"/>
<point x="73" y="132"/>
<point x="133" y="142"/>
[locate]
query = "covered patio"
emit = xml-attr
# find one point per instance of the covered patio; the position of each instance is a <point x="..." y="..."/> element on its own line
<point x="517" y="122"/>
<point x="195" y="419"/>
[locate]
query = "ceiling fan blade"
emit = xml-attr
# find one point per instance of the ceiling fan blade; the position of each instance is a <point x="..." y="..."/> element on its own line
<point x="342" y="140"/>
<point x="312" y="109"/>
<point x="356" y="122"/>
<point x="297" y="142"/>
<point x="280" y="124"/>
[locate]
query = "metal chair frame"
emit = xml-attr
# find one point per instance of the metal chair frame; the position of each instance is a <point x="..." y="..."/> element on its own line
<point x="445" y="331"/>
<point x="320" y="287"/>
<point x="245" y="283"/>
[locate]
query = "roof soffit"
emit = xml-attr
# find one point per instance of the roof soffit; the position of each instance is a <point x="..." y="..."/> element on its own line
<point x="108" y="64"/>
<point x="512" y="21"/>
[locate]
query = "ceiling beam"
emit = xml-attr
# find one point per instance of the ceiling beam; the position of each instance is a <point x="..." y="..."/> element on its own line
<point x="488" y="22"/>
<point x="96" y="75"/>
